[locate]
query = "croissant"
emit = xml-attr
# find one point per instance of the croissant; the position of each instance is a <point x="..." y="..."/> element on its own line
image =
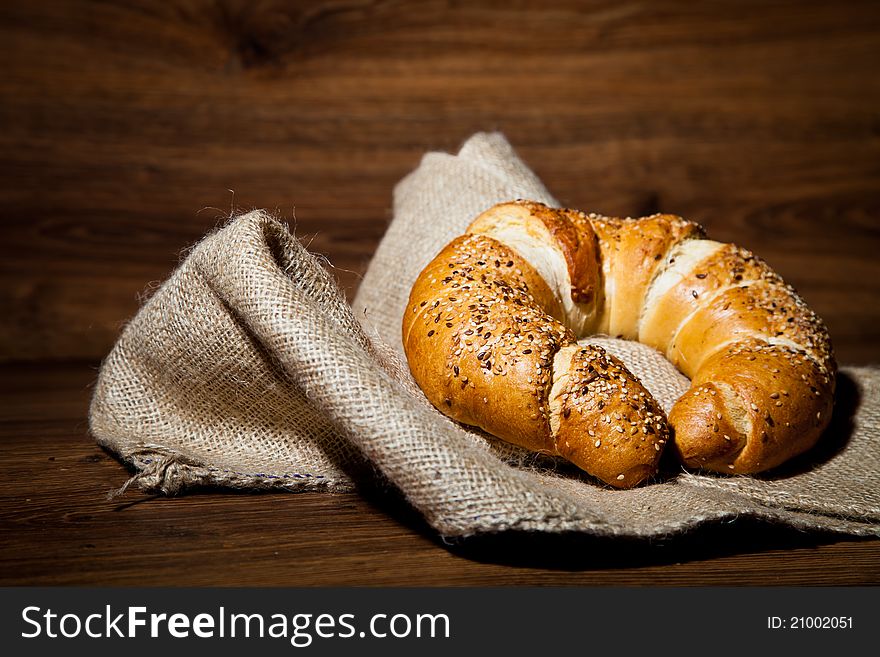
<point x="491" y="328"/>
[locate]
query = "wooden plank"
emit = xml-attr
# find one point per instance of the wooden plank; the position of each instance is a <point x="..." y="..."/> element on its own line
<point x="60" y="529"/>
<point x="125" y="125"/>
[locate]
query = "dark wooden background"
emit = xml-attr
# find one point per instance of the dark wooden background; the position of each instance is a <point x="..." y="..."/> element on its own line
<point x="129" y="129"/>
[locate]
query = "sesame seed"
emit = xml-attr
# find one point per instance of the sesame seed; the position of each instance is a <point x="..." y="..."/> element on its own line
<point x="598" y="443"/>
<point x="754" y="406"/>
<point x="620" y="477"/>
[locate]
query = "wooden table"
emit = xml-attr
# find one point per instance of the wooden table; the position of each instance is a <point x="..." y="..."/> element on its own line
<point x="132" y="128"/>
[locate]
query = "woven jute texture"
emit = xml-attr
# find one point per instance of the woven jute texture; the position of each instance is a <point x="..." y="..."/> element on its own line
<point x="248" y="369"/>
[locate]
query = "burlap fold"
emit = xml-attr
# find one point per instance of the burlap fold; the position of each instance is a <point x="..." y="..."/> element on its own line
<point x="248" y="369"/>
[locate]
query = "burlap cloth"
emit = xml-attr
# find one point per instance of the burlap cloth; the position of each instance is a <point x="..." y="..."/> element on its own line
<point x="247" y="369"/>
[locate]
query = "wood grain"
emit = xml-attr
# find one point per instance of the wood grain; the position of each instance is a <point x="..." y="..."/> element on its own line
<point x="127" y="123"/>
<point x="59" y="528"/>
<point x="132" y="128"/>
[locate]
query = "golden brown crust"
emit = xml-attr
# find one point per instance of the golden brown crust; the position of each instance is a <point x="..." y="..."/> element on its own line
<point x="751" y="407"/>
<point x="632" y="250"/>
<point x="606" y="422"/>
<point x="480" y="342"/>
<point x="491" y="324"/>
<point x="740" y="328"/>
<point x="547" y="228"/>
<point x="480" y="337"/>
<point x="578" y="244"/>
<point x="765" y="309"/>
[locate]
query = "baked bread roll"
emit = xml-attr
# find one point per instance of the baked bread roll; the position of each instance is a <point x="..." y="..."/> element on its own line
<point x="492" y="324"/>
